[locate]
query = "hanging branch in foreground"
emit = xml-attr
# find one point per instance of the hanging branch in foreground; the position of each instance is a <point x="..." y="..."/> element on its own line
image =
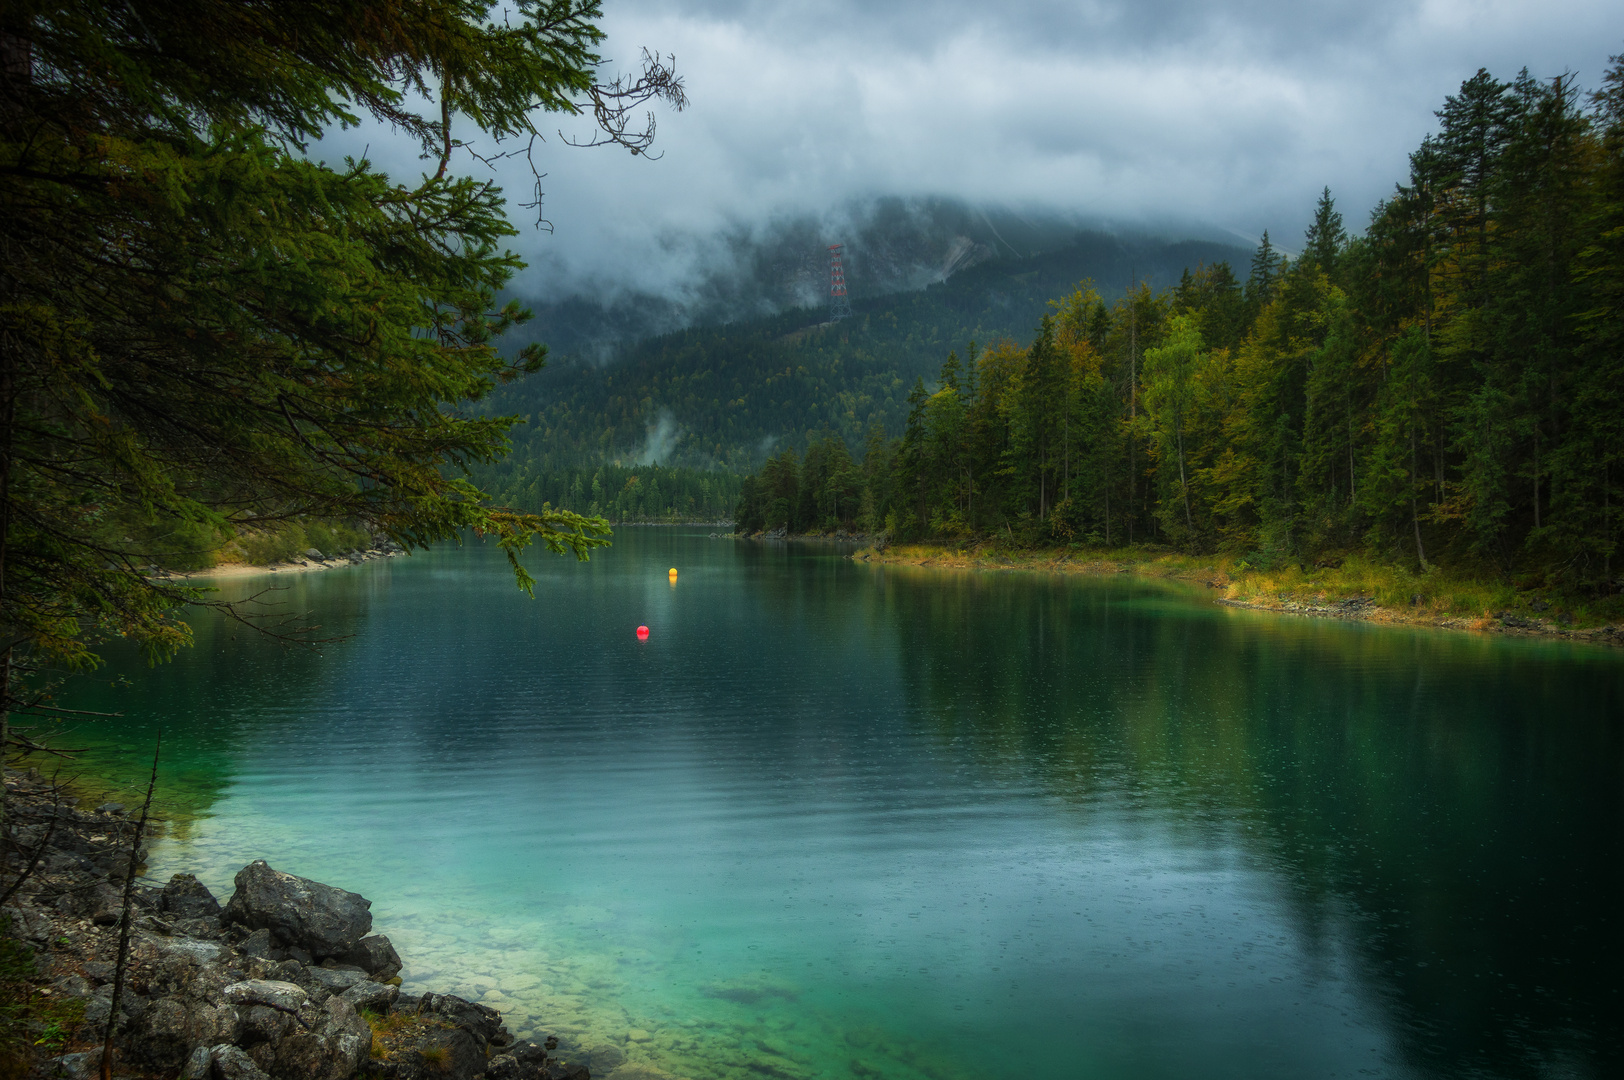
<point x="124" y="918"/>
<point x="204" y="330"/>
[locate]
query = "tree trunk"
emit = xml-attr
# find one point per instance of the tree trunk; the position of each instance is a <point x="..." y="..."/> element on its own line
<point x="8" y="432"/>
<point x="1184" y="486"/>
<point x="1133" y="406"/>
<point x="1536" y="477"/>
<point x="1415" y="511"/>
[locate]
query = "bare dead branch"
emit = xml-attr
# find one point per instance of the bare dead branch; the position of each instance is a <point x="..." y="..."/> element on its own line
<point x="615" y="103"/>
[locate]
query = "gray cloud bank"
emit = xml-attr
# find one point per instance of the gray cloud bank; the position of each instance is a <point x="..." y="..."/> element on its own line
<point x="1229" y="115"/>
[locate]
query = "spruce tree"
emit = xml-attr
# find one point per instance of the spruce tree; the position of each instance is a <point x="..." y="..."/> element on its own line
<point x="204" y="330"/>
<point x="1325" y="238"/>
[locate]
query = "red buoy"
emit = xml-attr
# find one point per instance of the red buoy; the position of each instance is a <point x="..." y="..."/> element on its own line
<point x="642" y="633"/>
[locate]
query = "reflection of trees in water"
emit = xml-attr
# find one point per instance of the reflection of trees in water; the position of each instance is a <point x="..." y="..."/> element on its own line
<point x="201" y="699"/>
<point x="1460" y="798"/>
<point x="1428" y="798"/>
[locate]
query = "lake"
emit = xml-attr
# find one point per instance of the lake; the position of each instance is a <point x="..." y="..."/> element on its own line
<point x="849" y="821"/>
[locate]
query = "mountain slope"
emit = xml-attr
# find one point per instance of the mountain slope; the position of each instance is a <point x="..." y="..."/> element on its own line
<point x="721" y="397"/>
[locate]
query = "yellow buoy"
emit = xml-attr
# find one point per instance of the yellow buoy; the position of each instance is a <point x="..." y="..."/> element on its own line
<point x="673" y="571"/>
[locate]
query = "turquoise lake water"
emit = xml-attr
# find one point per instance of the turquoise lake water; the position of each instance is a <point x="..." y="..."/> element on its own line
<point x="845" y="821"/>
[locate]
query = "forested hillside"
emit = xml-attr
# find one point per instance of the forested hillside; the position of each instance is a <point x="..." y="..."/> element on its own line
<point x="1449" y="385"/>
<point x="723" y="397"/>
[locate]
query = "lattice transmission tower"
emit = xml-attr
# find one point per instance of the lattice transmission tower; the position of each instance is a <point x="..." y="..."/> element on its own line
<point x="839" y="305"/>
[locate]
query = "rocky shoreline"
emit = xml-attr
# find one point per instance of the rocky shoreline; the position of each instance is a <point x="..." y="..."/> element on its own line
<point x="310" y="559"/>
<point x="784" y="534"/>
<point x="285" y="981"/>
<point x="1365" y="609"/>
<point x="313" y="559"/>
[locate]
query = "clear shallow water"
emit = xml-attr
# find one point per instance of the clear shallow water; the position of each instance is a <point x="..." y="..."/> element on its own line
<point x="843" y="821"/>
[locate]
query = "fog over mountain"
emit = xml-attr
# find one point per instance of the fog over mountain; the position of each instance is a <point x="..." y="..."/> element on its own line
<point x="816" y="123"/>
<point x="889" y="245"/>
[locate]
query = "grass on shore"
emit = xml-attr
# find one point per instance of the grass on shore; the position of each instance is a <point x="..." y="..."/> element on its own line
<point x="1435" y="594"/>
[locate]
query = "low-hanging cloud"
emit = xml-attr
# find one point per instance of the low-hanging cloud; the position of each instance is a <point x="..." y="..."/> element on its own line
<point x="661" y="440"/>
<point x="1232" y="115"/>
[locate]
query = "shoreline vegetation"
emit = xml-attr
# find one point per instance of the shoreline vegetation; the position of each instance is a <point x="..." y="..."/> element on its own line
<point x="1425" y="416"/>
<point x="235" y="562"/>
<point x="1358" y="588"/>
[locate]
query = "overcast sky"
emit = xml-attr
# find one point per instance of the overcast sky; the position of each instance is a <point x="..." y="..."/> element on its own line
<point x="1232" y="114"/>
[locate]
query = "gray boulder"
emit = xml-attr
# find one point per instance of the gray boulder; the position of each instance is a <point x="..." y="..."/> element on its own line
<point x="198" y="1065"/>
<point x="80" y="1066"/>
<point x="605" y="1058"/>
<point x="371" y="996"/>
<point x="282" y="996"/>
<point x="265" y="1024"/>
<point x="333" y="1048"/>
<point x="259" y="944"/>
<point x="481" y="1021"/>
<point x="568" y="1070"/>
<point x="232" y="1063"/>
<point x="192" y="950"/>
<point x="72" y="986"/>
<point x="373" y="955"/>
<point x="199" y="929"/>
<point x="211" y="1025"/>
<point x="527" y="1061"/>
<point x="160" y="1034"/>
<point x="298" y="912"/>
<point x="334" y="980"/>
<point x="185" y="897"/>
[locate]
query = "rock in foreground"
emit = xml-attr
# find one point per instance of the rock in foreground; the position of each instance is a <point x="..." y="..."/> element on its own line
<point x="299" y="913"/>
<point x="238" y="993"/>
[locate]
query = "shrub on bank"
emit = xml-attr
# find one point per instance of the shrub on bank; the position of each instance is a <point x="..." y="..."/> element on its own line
<point x="281" y="542"/>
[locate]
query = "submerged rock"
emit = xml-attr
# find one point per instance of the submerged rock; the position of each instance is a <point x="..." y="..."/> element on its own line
<point x="299" y="913"/>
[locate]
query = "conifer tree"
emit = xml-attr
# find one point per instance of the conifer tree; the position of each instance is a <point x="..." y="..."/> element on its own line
<point x="1325" y="238"/>
<point x="202" y="329"/>
<point x="1444" y="389"/>
<point x="1261" y="282"/>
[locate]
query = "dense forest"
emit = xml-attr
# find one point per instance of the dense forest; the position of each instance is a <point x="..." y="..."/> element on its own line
<point x="625" y="493"/>
<point x="1449" y="385"/>
<point x="723" y="397"/>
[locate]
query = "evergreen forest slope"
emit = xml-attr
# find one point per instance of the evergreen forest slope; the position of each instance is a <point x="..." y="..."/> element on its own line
<point x="722" y="398"/>
<point x="1441" y="390"/>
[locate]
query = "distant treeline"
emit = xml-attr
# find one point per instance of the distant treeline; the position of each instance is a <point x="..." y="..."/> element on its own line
<point x="1448" y="385"/>
<point x="619" y="492"/>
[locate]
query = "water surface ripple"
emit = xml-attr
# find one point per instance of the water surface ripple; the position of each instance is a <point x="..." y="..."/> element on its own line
<point x="835" y="820"/>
